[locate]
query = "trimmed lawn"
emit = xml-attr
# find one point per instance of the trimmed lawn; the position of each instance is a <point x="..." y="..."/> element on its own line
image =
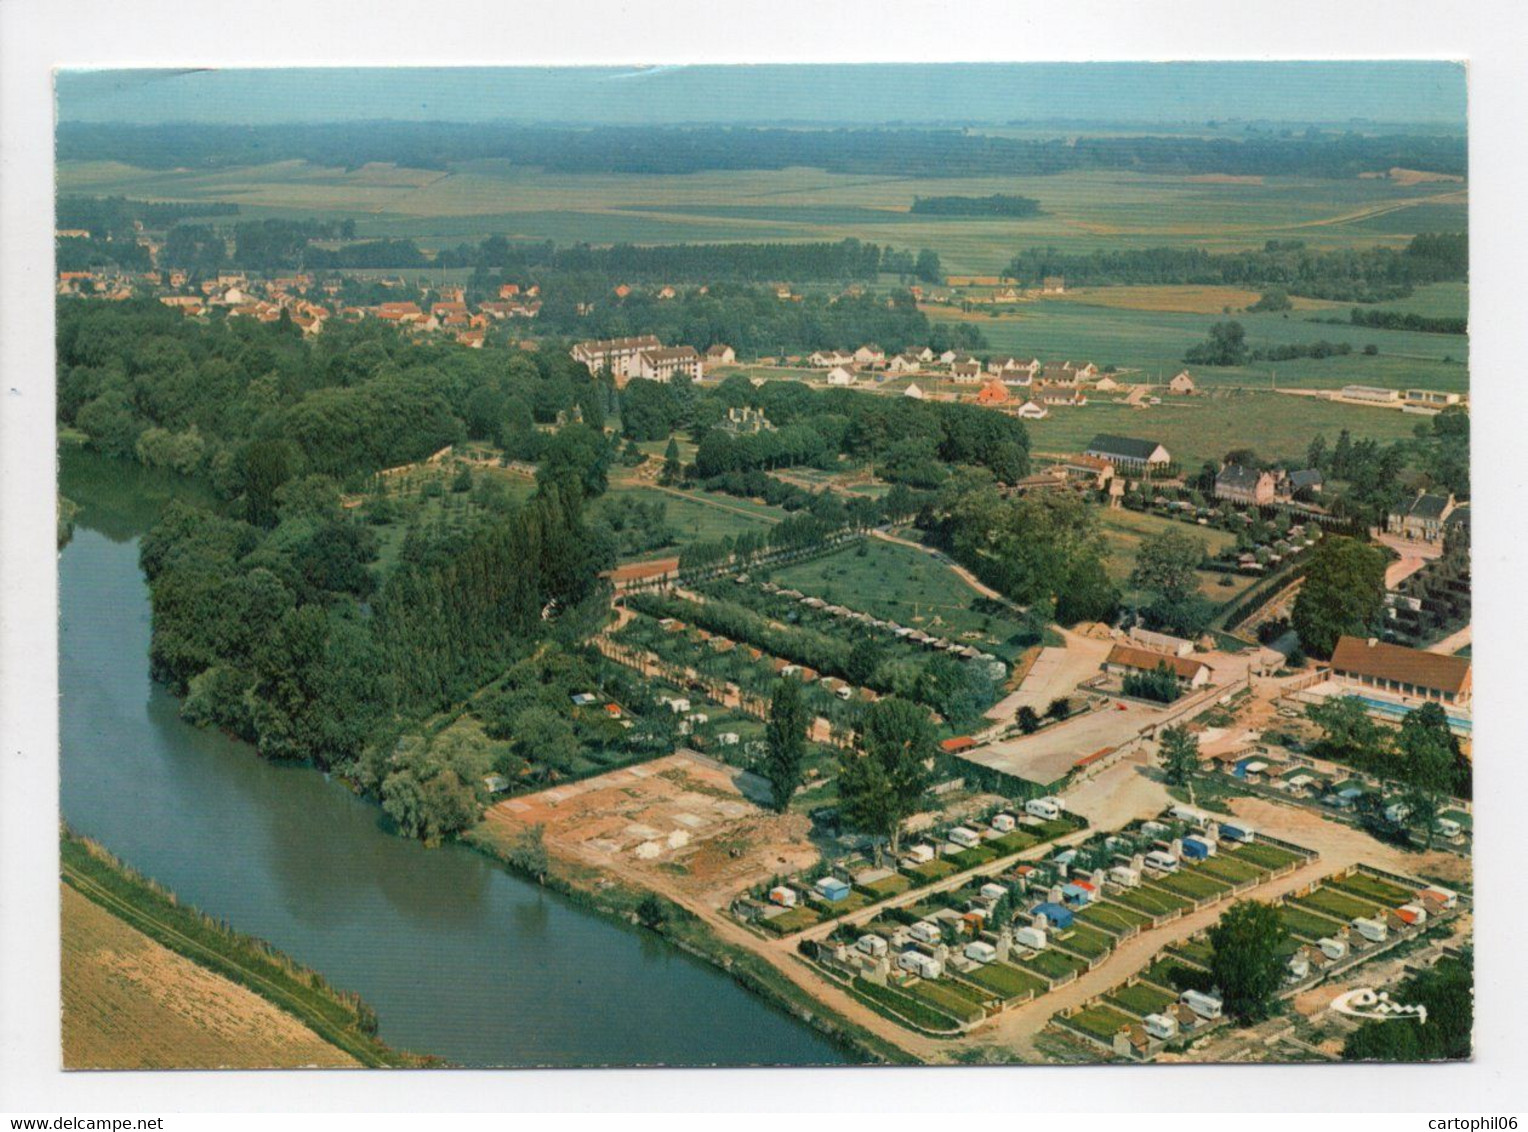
<point x="1151" y="901"/>
<point x="1053" y="965"/>
<point x="1173" y="973"/>
<point x="886" y="886"/>
<point x="1195" y="951"/>
<point x="1085" y="941"/>
<point x="1113" y="917"/>
<point x="1265" y="856"/>
<point x="1366" y="887"/>
<point x="946" y="999"/>
<point x="912" y="1010"/>
<point x="1007" y="980"/>
<point x="1306" y="924"/>
<point x="1140" y="999"/>
<point x="1100" y="1021"/>
<point x="1230" y="870"/>
<point x="970" y="858"/>
<point x="1015" y="842"/>
<point x="792" y="921"/>
<point x="931" y="871"/>
<point x="1190" y="884"/>
<point x="1330" y="902"/>
<point x="831" y="908"/>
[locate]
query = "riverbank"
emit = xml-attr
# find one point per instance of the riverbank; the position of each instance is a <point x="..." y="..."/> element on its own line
<point x="335" y="1019"/>
<point x="649" y="911"/>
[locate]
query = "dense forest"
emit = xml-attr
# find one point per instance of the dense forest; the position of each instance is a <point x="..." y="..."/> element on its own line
<point x="999" y="204"/>
<point x="1346" y="275"/>
<point x="250" y="406"/>
<point x="654" y="149"/>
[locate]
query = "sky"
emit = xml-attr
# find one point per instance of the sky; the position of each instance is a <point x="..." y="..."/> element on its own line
<point x="1418" y="91"/>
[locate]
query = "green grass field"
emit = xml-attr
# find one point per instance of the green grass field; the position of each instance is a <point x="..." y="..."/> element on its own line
<point x="1200" y="429"/>
<point x="946" y="997"/>
<point x="897" y="583"/>
<point x="1232" y="871"/>
<point x="1154" y="342"/>
<point x="901" y="1005"/>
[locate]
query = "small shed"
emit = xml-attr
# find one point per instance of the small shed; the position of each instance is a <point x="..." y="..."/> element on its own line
<point x="1056" y="915"/>
<point x="831" y="888"/>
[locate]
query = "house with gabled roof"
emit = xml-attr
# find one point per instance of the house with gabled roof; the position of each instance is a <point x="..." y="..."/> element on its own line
<point x="1130" y="453"/>
<point x="1424" y="519"/>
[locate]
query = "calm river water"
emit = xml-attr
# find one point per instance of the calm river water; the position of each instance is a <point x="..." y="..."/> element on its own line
<point x="459" y="958"/>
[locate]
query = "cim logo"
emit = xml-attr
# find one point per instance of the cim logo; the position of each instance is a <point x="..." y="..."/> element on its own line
<point x="1367" y="1003"/>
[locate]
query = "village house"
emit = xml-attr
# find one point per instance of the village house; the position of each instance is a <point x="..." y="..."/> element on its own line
<point x="1408" y="673"/>
<point x="509" y="290"/>
<point x="1424" y="519"/>
<point x="615" y="356"/>
<point x="1106" y="383"/>
<point x="1060" y="395"/>
<point x="1030" y="411"/>
<point x="827" y="359"/>
<point x="870" y="356"/>
<point x="841" y="375"/>
<point x="904" y="363"/>
<point x="966" y="373"/>
<point x="1238" y="483"/>
<point x="1053" y="285"/>
<point x="914" y="392"/>
<point x="1129" y="453"/>
<point x="1181" y="383"/>
<point x="1370" y="393"/>
<point x="1129" y="660"/>
<point x="720" y="355"/>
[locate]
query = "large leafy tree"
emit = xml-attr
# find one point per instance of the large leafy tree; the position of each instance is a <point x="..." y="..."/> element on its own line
<point x="785" y="741"/>
<point x="1166" y="568"/>
<point x="1248" y="964"/>
<point x="1343" y="593"/>
<point x="1180" y="755"/>
<point x="884" y="784"/>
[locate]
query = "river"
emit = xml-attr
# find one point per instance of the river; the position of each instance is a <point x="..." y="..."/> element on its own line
<point x="459" y="958"/>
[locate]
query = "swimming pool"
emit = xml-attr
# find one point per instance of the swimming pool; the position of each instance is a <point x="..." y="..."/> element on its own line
<point x="1460" y="725"/>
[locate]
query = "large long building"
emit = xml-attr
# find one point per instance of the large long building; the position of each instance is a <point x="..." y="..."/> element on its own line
<point x="616" y="356"/>
<point x="1401" y="671"/>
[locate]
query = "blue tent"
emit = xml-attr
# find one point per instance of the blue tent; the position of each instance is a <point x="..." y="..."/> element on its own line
<point x="1057" y="915"/>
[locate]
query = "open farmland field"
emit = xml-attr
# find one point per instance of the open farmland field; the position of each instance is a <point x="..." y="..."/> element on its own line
<point x="1183" y="299"/>
<point x="1154" y="342"/>
<point x="1200" y="429"/>
<point x="130" y="1003"/>
<point x="1080" y="210"/>
<point x="900" y="584"/>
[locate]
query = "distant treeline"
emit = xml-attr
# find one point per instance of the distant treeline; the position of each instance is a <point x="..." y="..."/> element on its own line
<point x="653" y="149"/>
<point x="686" y="263"/>
<point x="998" y="204"/>
<point x="1349" y="274"/>
<point x="1396" y="320"/>
<point x="752" y="320"/>
<point x="104" y="216"/>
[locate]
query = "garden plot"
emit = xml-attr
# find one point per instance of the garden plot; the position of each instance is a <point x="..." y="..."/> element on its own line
<point x="681" y="822"/>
